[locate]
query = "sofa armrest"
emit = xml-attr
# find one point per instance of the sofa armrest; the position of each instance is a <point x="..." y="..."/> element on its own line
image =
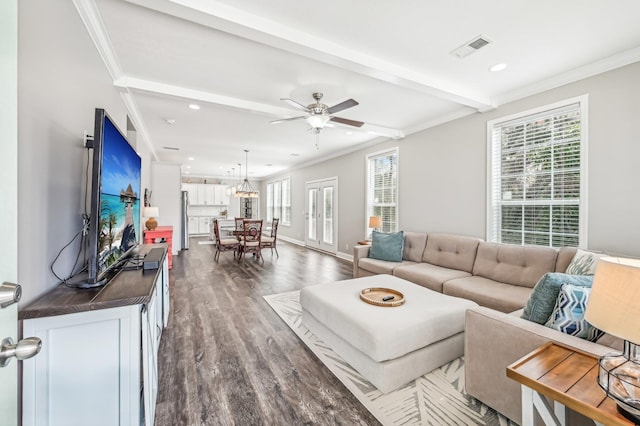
<point x="359" y="252"/>
<point x="493" y="341"/>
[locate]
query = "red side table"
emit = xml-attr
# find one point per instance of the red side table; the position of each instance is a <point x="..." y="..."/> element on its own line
<point x="165" y="232"/>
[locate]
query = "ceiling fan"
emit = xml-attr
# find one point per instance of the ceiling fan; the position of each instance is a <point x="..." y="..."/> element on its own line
<point x="319" y="114"/>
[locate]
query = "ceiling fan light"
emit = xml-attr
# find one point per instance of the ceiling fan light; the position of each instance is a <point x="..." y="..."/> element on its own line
<point x="318" y="121"/>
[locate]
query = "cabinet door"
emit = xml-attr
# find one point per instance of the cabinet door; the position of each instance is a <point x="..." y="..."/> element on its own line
<point x="88" y="372"/>
<point x="222" y="198"/>
<point x="206" y="194"/>
<point x="192" y="189"/>
<point x="149" y="361"/>
<point x="194" y="226"/>
<point x="166" y="302"/>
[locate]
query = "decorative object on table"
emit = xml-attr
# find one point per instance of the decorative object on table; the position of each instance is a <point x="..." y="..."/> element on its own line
<point x="614" y="307"/>
<point x="151" y="213"/>
<point x="379" y="296"/>
<point x="375" y="222"/>
<point x="246" y="190"/>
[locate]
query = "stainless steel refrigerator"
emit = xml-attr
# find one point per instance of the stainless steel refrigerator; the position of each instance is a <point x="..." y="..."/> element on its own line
<point x="184" y="220"/>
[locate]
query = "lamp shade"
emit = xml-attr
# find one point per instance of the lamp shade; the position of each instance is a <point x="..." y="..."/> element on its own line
<point x="150" y="212"/>
<point x="614" y="301"/>
<point x="375" y="222"/>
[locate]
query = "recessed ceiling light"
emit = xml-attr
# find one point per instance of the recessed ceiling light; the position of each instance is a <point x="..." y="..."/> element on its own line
<point x="348" y="133"/>
<point x="190" y="158"/>
<point x="170" y="121"/>
<point x="498" y="67"/>
<point x="194" y="106"/>
<point x="186" y="173"/>
<point x="188" y="167"/>
<point x="294" y="155"/>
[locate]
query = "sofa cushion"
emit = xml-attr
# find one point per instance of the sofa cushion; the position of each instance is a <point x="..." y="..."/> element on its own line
<point x="486" y="292"/>
<point x="583" y="263"/>
<point x="565" y="255"/>
<point x="414" y="243"/>
<point x="513" y="264"/>
<point x="451" y="251"/>
<point x="545" y="293"/>
<point x="428" y="275"/>
<point x="377" y="266"/>
<point x="568" y="313"/>
<point x="389" y="247"/>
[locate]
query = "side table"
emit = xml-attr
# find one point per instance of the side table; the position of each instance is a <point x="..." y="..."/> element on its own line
<point x="569" y="378"/>
<point x="165" y="232"/>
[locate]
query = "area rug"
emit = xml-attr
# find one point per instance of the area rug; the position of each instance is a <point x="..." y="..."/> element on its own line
<point x="437" y="398"/>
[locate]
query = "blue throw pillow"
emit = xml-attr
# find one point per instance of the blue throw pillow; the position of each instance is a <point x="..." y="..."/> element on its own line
<point x="545" y="293"/>
<point x="568" y="313"/>
<point x="387" y="246"/>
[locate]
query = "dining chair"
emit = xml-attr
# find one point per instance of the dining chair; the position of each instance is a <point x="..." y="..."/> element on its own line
<point x="223" y="244"/>
<point x="270" y="241"/>
<point x="251" y="239"/>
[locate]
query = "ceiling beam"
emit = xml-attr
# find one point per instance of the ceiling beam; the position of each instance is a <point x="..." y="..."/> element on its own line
<point x="219" y="16"/>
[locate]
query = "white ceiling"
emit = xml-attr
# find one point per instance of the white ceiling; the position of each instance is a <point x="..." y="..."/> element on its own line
<point x="237" y="58"/>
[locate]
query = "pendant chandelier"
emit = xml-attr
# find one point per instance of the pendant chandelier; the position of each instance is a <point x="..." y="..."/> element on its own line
<point x="245" y="190"/>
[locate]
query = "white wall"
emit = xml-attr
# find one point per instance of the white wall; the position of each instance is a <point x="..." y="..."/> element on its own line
<point x="443" y="170"/>
<point x="166" y="186"/>
<point x="61" y="81"/>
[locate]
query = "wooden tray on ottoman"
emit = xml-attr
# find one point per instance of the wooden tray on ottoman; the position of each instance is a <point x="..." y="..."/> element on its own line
<point x="375" y="296"/>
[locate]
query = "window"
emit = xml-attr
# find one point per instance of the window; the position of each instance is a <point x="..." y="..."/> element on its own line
<point x="382" y="189"/>
<point x="279" y="201"/>
<point x="536" y="176"/>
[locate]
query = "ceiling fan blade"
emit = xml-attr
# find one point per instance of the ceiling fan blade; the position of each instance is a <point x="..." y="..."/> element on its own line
<point x="295" y="104"/>
<point x="342" y="105"/>
<point x="348" y="122"/>
<point x="287" y="119"/>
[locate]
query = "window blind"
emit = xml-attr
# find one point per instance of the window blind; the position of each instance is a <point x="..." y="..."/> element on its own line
<point x="536" y="178"/>
<point x="382" y="189"/>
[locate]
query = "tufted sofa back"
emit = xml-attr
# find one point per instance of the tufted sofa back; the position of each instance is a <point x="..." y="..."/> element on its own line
<point x="451" y="251"/>
<point x="512" y="264"/>
<point x="414" y="243"/>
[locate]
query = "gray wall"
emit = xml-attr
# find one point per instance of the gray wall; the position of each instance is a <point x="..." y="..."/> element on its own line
<point x="443" y="170"/>
<point x="61" y="81"/>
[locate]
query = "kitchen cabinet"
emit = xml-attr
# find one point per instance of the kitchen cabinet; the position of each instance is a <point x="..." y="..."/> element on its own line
<point x="203" y="225"/>
<point x="206" y="194"/>
<point x="99" y="359"/>
<point x="193" y="226"/>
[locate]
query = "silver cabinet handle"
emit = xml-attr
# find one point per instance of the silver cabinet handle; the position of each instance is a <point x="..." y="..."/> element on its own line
<point x="24" y="349"/>
<point x="9" y="294"/>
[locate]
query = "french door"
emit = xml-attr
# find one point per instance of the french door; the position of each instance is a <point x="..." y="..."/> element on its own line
<point x="321" y="213"/>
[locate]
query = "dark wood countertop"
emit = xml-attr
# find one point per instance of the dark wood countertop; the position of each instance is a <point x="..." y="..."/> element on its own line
<point x="125" y="288"/>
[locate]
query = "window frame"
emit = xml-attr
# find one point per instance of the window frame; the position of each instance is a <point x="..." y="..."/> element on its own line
<point x="393" y="151"/>
<point x="493" y="200"/>
<point x="276" y="207"/>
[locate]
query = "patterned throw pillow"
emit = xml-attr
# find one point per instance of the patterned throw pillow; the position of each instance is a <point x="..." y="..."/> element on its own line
<point x="387" y="246"/>
<point x="583" y="263"/>
<point x="568" y="314"/>
<point x="545" y="293"/>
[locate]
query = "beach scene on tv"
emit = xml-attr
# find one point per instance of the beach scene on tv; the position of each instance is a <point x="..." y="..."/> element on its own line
<point x="119" y="223"/>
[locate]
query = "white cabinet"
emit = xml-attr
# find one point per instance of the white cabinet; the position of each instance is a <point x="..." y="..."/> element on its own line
<point x="194" y="226"/>
<point x="205" y="194"/>
<point x="203" y="225"/>
<point x="192" y="189"/>
<point x="97" y="367"/>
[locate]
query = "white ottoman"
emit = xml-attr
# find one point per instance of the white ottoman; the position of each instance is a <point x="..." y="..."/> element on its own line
<point x="388" y="346"/>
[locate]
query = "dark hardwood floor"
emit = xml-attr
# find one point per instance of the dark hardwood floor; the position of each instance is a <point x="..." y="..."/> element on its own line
<point x="227" y="359"/>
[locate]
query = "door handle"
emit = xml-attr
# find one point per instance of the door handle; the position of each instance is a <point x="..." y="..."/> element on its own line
<point x="24" y="349"/>
<point x="9" y="294"/>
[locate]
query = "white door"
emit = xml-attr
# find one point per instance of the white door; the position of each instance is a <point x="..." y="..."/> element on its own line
<point x="321" y="215"/>
<point x="8" y="207"/>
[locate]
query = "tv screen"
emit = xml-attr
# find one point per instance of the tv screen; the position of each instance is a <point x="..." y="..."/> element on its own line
<point x="119" y="215"/>
<point x="114" y="217"/>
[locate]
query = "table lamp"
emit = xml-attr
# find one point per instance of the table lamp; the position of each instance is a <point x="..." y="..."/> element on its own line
<point x="375" y="222"/>
<point x="614" y="307"/>
<point x="151" y="213"/>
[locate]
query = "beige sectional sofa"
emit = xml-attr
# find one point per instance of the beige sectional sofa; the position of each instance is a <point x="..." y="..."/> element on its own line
<point x="500" y="278"/>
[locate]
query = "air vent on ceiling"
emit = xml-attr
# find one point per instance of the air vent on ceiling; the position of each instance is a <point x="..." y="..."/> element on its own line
<point x="471" y="46"/>
<point x="172" y="148"/>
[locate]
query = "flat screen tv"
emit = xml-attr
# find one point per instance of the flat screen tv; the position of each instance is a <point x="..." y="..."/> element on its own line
<point x="114" y="218"/>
